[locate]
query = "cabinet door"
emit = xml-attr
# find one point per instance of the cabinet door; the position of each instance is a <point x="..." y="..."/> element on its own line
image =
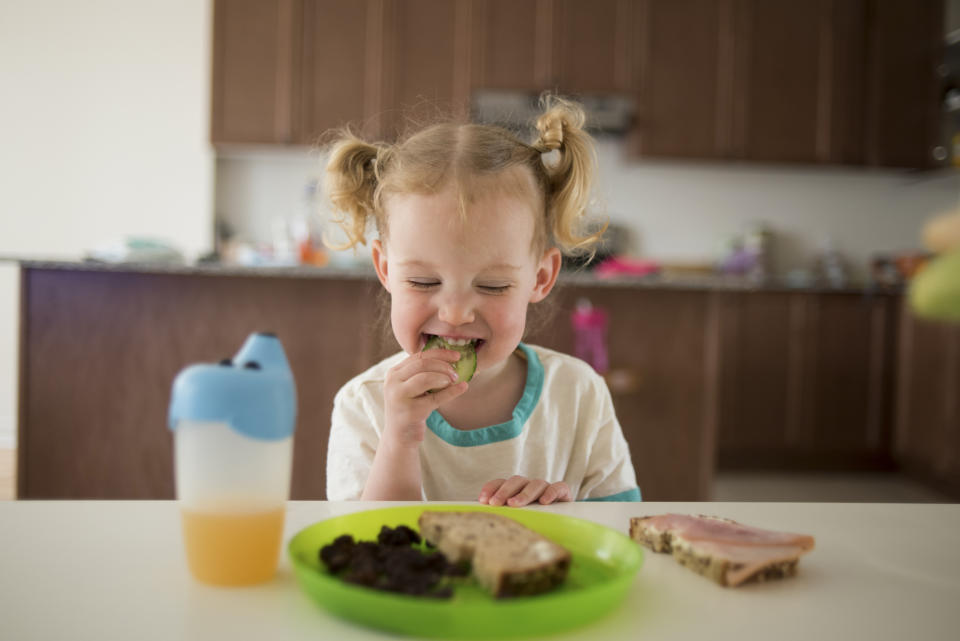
<point x="425" y="62"/>
<point x="592" y="46"/>
<point x="684" y="59"/>
<point x="805" y="380"/>
<point x="928" y="401"/>
<point x="662" y="356"/>
<point x="255" y="70"/>
<point x="341" y="57"/>
<point x="906" y="40"/>
<point x="510" y="46"/>
<point x="796" y="80"/>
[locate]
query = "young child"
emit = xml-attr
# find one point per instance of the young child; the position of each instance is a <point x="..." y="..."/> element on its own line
<point x="471" y="224"/>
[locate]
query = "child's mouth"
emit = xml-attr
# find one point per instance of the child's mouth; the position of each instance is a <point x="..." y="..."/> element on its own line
<point x="453" y="341"/>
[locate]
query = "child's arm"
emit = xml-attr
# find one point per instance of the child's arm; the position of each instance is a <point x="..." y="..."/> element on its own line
<point x="412" y="390"/>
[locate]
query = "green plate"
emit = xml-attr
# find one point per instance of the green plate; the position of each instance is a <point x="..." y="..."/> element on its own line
<point x="603" y="568"/>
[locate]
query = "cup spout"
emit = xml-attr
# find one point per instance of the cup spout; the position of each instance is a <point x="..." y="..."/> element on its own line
<point x="266" y="351"/>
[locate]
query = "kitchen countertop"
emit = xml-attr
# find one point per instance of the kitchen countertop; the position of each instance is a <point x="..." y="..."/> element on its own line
<point x="115" y="570"/>
<point x="691" y="282"/>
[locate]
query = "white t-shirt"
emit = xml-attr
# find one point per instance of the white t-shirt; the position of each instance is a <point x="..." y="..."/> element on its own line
<point x="563" y="429"/>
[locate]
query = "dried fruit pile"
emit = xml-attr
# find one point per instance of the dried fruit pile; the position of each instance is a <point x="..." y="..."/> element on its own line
<point x="392" y="563"/>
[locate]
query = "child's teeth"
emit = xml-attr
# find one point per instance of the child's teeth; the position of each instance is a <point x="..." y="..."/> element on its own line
<point x="458" y="341"/>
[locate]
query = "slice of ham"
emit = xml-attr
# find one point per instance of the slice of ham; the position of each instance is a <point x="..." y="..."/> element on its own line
<point x="730" y="552"/>
<point x="717" y="530"/>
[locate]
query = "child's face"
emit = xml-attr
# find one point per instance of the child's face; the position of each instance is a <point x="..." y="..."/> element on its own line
<point x="470" y="278"/>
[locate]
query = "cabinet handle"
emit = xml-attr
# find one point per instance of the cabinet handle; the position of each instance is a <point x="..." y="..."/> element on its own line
<point x="622" y="381"/>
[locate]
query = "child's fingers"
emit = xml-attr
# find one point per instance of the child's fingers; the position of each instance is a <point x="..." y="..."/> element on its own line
<point x="528" y="494"/>
<point x="509" y="488"/>
<point x="407" y="371"/>
<point x="451" y="390"/>
<point x="556" y="492"/>
<point x="489" y="489"/>
<point x="424" y="382"/>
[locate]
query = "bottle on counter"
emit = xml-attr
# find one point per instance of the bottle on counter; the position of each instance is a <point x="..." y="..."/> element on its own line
<point x="830" y="268"/>
<point x="590" y="335"/>
<point x="306" y="230"/>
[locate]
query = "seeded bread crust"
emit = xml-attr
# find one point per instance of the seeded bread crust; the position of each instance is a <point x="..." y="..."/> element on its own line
<point x="716" y="570"/>
<point x="508" y="559"/>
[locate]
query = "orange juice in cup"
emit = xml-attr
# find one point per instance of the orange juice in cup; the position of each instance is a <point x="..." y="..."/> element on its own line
<point x="232" y="548"/>
<point x="233" y="447"/>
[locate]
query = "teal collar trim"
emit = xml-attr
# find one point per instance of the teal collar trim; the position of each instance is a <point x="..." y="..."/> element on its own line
<point x="504" y="431"/>
<point x="627" y="495"/>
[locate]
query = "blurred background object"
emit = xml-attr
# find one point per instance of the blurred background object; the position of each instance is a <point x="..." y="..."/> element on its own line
<point x="935" y="292"/>
<point x="776" y="124"/>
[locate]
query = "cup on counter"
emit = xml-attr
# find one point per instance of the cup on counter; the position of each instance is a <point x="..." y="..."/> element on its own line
<point x="233" y="426"/>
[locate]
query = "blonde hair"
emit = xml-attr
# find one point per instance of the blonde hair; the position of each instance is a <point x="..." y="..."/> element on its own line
<point x="361" y="175"/>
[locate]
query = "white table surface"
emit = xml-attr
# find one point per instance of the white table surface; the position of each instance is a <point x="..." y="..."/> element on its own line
<point x="115" y="570"/>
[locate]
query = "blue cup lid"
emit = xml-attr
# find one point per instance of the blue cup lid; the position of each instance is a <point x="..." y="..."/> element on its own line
<point x="254" y="392"/>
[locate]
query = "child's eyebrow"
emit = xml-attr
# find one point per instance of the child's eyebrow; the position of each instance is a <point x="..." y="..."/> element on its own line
<point x="506" y="267"/>
<point x="487" y="268"/>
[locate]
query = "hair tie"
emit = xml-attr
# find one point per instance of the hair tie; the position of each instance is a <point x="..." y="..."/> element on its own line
<point x="552" y="138"/>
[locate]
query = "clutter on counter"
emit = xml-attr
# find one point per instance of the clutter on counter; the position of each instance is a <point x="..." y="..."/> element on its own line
<point x="136" y="249"/>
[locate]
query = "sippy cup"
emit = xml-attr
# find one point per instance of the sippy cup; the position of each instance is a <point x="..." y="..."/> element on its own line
<point x="233" y="450"/>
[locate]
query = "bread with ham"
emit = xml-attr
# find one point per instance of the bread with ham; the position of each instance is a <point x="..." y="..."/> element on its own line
<point x="508" y="559"/>
<point x="723" y="550"/>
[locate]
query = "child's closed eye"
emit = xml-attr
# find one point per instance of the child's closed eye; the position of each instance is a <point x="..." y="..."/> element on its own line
<point x="494" y="289"/>
<point x="422" y="284"/>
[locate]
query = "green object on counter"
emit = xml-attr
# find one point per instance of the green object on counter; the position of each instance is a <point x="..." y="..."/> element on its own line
<point x="602" y="571"/>
<point x="935" y="291"/>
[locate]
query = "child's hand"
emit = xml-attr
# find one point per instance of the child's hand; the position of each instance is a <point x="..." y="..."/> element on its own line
<point x="518" y="491"/>
<point x="408" y="398"/>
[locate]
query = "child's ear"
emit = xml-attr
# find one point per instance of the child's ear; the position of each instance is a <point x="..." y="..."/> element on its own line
<point x="379" y="255"/>
<point x="547" y="273"/>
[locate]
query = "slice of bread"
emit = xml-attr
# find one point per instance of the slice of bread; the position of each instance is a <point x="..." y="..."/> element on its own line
<point x="508" y="559"/>
<point x="722" y="550"/>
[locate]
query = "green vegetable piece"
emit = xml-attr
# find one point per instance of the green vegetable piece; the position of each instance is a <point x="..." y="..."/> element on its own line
<point x="466" y="366"/>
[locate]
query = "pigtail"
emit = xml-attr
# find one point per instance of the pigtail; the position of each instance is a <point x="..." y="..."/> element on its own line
<point x="352" y="176"/>
<point x="570" y="176"/>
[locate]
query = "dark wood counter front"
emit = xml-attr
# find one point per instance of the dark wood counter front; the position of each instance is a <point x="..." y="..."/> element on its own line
<point x="101" y="347"/>
<point x="751" y="379"/>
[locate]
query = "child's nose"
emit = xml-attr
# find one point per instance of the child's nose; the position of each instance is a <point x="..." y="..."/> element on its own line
<point x="456" y="310"/>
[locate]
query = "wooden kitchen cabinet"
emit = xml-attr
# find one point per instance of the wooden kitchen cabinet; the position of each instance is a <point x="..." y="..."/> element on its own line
<point x="426" y="62"/>
<point x="592" y="46"/>
<point x="564" y="46"/>
<point x="684" y="97"/>
<point x="100" y="348"/>
<point x="823" y="82"/>
<point x="341" y="68"/>
<point x="797" y="80"/>
<point x="903" y="101"/>
<point x="256" y="71"/>
<point x="820" y="82"/>
<point x="806" y="380"/>
<point x="511" y="42"/>
<point x="927" y="437"/>
<point x="662" y="348"/>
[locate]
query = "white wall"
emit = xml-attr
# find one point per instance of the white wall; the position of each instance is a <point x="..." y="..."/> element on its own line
<point x="685" y="213"/>
<point x="104" y="121"/>
<point x="675" y="212"/>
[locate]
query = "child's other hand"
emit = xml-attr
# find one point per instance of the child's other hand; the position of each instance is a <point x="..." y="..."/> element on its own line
<point x="408" y="398"/>
<point x="518" y="491"/>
